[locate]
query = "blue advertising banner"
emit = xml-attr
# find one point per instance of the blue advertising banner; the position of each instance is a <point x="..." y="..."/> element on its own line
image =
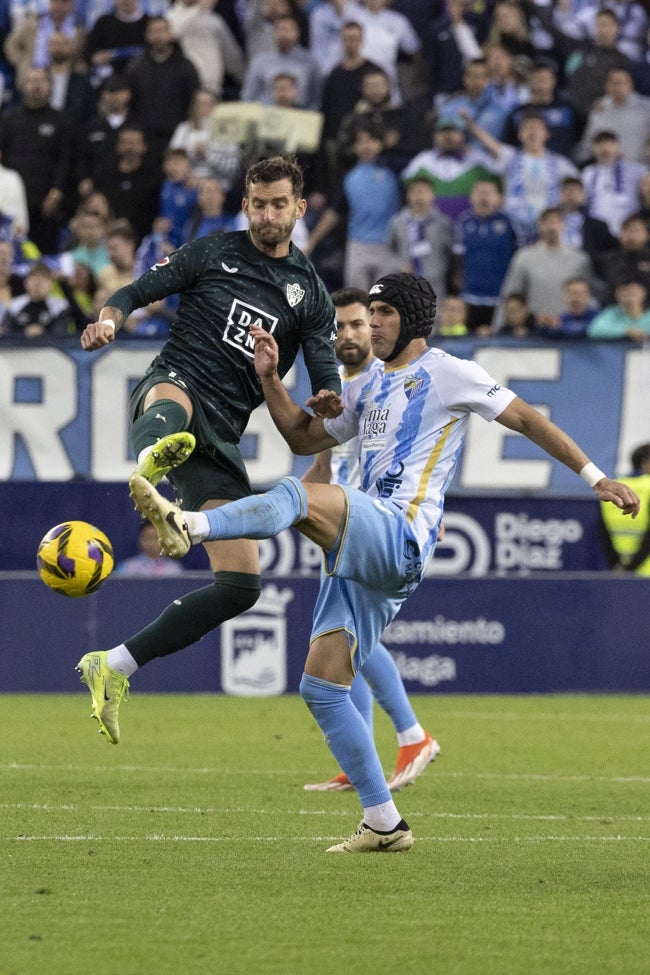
<point x="567" y="633"/>
<point x="63" y="414"/>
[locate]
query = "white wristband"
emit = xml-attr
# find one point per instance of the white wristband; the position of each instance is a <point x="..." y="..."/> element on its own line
<point x="109" y="322"/>
<point x="591" y="474"/>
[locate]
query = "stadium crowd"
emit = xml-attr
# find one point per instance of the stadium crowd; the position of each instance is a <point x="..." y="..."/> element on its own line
<point x="499" y="148"/>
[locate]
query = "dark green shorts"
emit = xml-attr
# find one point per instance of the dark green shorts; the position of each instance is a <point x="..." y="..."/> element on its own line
<point x="215" y="471"/>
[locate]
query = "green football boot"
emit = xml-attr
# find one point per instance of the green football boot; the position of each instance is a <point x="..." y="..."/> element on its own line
<point x="169" y="452"/>
<point x="107" y="688"/>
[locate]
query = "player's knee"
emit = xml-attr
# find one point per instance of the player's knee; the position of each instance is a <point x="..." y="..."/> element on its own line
<point x="240" y="589"/>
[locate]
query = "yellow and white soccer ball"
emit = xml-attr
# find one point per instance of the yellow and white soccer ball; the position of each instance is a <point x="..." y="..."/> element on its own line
<point x="74" y="558"/>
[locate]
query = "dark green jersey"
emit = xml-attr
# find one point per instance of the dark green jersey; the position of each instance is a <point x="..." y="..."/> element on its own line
<point x="226" y="284"/>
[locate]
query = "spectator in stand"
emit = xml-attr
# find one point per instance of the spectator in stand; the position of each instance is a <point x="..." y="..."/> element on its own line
<point x="421" y="237"/>
<point x="627" y="548"/>
<point x="452" y="166"/>
<point x="582" y="231"/>
<point x="368" y="198"/>
<point x="95" y="149"/>
<point x="573" y="322"/>
<point x="37" y="313"/>
<point x="629" y="258"/>
<point x="611" y="182"/>
<point x="208" y="156"/>
<point x="259" y="17"/>
<point x="518" y="319"/>
<point x="89" y="240"/>
<point x="327" y="21"/>
<point x="178" y="195"/>
<point x="507" y="88"/>
<point x="586" y="62"/>
<point x="120" y="241"/>
<point x="36" y="141"/>
<point x="148" y="563"/>
<point x="560" y="117"/>
<point x="27" y="45"/>
<point x="476" y="98"/>
<point x="208" y="216"/>
<point x="452" y="318"/>
<point x="115" y="39"/>
<point x="532" y="174"/>
<point x="628" y="318"/>
<point x="453" y="39"/>
<point x="485" y="244"/>
<point x="207" y="40"/>
<point x="509" y="29"/>
<point x="377" y="108"/>
<point x="288" y="57"/>
<point x="132" y="185"/>
<point x="389" y="38"/>
<point x="539" y="271"/>
<point x="11" y="284"/>
<point x="163" y="82"/>
<point x="644" y="199"/>
<point x="14" y="214"/>
<point x="71" y="91"/>
<point x="342" y="90"/>
<point x="622" y="111"/>
<point x="578" y="20"/>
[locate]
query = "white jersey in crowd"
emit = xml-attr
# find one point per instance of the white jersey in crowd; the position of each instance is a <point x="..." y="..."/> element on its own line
<point x="411" y="422"/>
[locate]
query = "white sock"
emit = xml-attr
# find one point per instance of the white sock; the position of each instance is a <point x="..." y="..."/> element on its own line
<point x="197" y="525"/>
<point x="121" y="660"/>
<point x="383" y="817"/>
<point x="411" y="736"/>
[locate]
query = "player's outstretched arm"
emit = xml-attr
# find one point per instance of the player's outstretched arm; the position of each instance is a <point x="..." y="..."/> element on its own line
<point x="101" y="333"/>
<point x="523" y="418"/>
<point x="304" y="432"/>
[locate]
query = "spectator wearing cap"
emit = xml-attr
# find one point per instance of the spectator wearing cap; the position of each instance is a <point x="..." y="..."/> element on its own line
<point x="611" y="182"/>
<point x="452" y="166"/>
<point x="628" y="318"/>
<point x="561" y="119"/>
<point x="532" y="174"/>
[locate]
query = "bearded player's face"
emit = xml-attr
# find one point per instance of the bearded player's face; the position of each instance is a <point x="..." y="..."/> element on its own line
<point x="272" y="210"/>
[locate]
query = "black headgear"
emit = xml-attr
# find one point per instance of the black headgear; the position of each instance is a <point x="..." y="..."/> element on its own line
<point x="415" y="301"/>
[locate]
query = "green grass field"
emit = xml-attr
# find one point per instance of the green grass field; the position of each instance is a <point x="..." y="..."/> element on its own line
<point x="191" y="847"/>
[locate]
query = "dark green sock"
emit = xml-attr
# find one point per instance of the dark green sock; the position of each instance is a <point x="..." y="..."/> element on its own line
<point x="189" y="618"/>
<point x="163" y="417"/>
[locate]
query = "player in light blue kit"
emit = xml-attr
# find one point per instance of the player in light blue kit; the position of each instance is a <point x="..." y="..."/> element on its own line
<point x="379" y="677"/>
<point x="410" y="417"/>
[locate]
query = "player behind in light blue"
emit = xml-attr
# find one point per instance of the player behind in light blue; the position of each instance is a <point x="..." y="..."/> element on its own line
<point x="379" y="677"/>
<point x="411" y="418"/>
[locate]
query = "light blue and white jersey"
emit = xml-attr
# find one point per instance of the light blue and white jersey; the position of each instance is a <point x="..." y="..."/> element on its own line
<point x="411" y="422"/>
<point x="344" y="463"/>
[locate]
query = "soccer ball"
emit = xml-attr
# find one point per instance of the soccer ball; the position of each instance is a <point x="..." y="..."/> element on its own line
<point x="74" y="558"/>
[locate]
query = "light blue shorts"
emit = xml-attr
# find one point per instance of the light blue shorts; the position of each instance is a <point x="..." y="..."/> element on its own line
<point x="375" y="564"/>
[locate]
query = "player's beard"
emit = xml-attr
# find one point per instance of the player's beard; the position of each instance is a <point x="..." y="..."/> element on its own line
<point x="273" y="235"/>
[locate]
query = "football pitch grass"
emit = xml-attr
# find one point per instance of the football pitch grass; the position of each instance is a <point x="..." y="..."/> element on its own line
<point x="191" y="847"/>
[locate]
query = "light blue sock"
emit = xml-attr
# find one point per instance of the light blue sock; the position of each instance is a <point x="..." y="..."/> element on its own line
<point x="261" y="515"/>
<point x="362" y="698"/>
<point x="380" y="671"/>
<point x="348" y="737"/>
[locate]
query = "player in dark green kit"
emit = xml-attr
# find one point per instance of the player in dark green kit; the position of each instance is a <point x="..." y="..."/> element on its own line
<point x="192" y="406"/>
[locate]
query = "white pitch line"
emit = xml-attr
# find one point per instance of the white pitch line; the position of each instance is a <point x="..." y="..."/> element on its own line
<point x="159" y="838"/>
<point x="257" y="772"/>
<point x="250" y="811"/>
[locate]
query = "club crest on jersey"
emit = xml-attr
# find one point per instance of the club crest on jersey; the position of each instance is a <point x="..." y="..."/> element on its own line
<point x="295" y="294"/>
<point x="160" y="263"/>
<point x="240" y="318"/>
<point x="412" y="386"/>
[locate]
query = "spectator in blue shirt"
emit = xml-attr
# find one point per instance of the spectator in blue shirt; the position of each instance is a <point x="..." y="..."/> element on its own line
<point x="178" y="194"/>
<point x="579" y="312"/>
